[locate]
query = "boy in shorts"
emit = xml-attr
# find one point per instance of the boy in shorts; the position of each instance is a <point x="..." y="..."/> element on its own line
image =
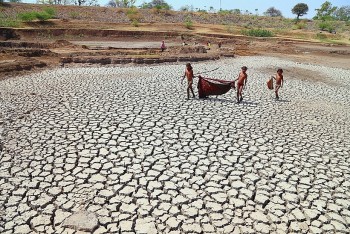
<point x="242" y="83"/>
<point x="189" y="75"/>
<point x="279" y="81"/>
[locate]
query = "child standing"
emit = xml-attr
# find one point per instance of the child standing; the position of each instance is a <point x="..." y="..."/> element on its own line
<point x="279" y="81"/>
<point x="162" y="46"/>
<point x="242" y="83"/>
<point x="189" y="75"/>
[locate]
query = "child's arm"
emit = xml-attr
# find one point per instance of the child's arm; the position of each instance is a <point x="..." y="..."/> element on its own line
<point x="281" y="81"/>
<point x="238" y="77"/>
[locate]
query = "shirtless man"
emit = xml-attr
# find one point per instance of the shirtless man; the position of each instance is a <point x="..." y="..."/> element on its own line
<point x="242" y="83"/>
<point x="279" y="81"/>
<point x="189" y="75"/>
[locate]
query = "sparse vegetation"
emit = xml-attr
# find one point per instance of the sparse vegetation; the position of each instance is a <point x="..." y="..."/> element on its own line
<point x="135" y="23"/>
<point x="257" y="32"/>
<point x="299" y="25"/>
<point x="134" y="16"/>
<point x="230" y="21"/>
<point x="326" y="26"/>
<point x="27" y="16"/>
<point x="188" y="23"/>
<point x="6" y="22"/>
<point x="46" y="14"/>
<point x="74" y="15"/>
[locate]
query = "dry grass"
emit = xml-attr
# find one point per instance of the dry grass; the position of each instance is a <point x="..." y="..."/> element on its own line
<point x="165" y="20"/>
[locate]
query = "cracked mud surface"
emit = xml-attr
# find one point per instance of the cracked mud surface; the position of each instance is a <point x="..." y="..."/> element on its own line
<point x="128" y="153"/>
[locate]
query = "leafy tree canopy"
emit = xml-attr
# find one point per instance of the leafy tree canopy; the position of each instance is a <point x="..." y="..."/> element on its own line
<point x="121" y="3"/>
<point x="300" y="9"/>
<point x="273" y="12"/>
<point x="159" y="4"/>
<point x="326" y="11"/>
<point x="342" y="13"/>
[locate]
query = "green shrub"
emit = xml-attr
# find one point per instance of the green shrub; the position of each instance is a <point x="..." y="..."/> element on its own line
<point x="27" y="16"/>
<point x="74" y="15"/>
<point x="46" y="14"/>
<point x="135" y="23"/>
<point x="6" y="22"/>
<point x="225" y="12"/>
<point x="299" y="25"/>
<point x="188" y="23"/>
<point x="326" y="26"/>
<point x="50" y="11"/>
<point x="257" y="33"/>
<point x="132" y="11"/>
<point x="43" y="16"/>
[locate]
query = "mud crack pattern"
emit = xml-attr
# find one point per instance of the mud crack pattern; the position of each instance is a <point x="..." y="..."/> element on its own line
<point x="123" y="146"/>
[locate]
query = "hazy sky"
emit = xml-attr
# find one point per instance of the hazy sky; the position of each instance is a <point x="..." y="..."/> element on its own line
<point x="284" y="6"/>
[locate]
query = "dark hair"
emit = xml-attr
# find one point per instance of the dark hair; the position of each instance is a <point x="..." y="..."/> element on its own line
<point x="279" y="70"/>
<point x="244" y="68"/>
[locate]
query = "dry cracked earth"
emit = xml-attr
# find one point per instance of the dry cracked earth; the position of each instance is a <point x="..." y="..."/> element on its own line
<point x="121" y="150"/>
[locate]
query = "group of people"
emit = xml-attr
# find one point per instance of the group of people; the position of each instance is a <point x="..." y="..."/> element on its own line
<point x="163" y="46"/>
<point x="241" y="81"/>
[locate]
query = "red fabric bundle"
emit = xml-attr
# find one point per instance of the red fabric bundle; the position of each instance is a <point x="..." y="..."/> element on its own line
<point x="210" y="86"/>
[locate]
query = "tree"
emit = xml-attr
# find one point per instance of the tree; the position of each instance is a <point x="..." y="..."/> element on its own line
<point x="325" y="12"/>
<point x="342" y="13"/>
<point x="236" y="11"/>
<point x="86" y="2"/>
<point x="186" y="8"/>
<point x="273" y="12"/>
<point x="300" y="9"/>
<point x="56" y="2"/>
<point x="159" y="4"/>
<point x="120" y="3"/>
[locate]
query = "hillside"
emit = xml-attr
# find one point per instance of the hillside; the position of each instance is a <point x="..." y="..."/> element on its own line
<point x="142" y="19"/>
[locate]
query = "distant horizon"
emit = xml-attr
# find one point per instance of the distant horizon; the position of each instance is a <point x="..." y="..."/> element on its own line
<point x="244" y="5"/>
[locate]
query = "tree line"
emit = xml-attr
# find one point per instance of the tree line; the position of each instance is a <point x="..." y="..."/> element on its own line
<point x="326" y="12"/>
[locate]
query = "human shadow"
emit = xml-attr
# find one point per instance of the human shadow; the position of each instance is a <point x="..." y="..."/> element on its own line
<point x="213" y="99"/>
<point x="282" y="100"/>
<point x="249" y="103"/>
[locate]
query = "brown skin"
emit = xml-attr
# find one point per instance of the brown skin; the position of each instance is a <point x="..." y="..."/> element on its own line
<point x="189" y="76"/>
<point x="242" y="83"/>
<point x="279" y="81"/>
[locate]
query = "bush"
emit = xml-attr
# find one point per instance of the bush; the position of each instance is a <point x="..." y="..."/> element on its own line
<point x="43" y="16"/>
<point x="6" y="22"/>
<point x="50" y="11"/>
<point x="257" y="33"/>
<point x="299" y="25"/>
<point x="46" y="14"/>
<point x="132" y="11"/>
<point x="74" y="15"/>
<point x="326" y="26"/>
<point x="188" y="23"/>
<point x="27" y="16"/>
<point x="135" y="23"/>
